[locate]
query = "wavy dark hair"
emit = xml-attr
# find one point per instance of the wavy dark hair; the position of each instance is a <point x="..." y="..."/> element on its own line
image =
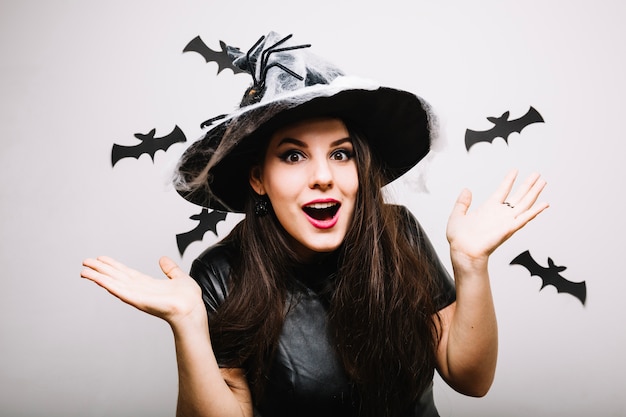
<point x="382" y="313"/>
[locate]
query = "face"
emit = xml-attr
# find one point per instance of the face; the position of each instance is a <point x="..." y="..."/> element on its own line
<point x="309" y="174"/>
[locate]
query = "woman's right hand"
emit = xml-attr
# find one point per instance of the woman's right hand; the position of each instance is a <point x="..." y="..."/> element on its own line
<point x="174" y="299"/>
<point x="204" y="388"/>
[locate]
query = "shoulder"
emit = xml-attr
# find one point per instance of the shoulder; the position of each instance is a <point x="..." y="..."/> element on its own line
<point x="409" y="225"/>
<point x="404" y="215"/>
<point x="211" y="270"/>
<point x="217" y="257"/>
<point x="445" y="292"/>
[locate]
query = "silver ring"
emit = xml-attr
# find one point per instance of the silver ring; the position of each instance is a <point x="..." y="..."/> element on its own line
<point x="506" y="203"/>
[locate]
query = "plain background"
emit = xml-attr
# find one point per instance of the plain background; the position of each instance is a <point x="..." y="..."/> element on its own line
<point x="78" y="76"/>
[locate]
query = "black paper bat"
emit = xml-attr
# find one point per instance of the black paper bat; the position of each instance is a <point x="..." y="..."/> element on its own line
<point x="502" y="128"/>
<point x="208" y="221"/>
<point x="220" y="57"/>
<point x="149" y="145"/>
<point x="551" y="276"/>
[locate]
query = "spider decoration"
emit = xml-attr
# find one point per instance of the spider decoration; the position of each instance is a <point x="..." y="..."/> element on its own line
<point x="254" y="93"/>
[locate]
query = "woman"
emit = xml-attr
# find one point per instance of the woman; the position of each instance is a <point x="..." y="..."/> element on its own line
<point x="324" y="300"/>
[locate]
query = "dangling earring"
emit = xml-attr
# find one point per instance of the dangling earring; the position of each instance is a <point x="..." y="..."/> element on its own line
<point x="261" y="206"/>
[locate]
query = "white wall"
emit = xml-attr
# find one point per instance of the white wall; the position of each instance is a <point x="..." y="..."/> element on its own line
<point x="77" y="76"/>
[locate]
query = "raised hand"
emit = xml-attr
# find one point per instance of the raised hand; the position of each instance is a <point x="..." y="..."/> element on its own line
<point x="171" y="299"/>
<point x="475" y="234"/>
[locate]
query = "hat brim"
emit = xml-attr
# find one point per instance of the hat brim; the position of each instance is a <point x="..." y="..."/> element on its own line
<point x="397" y="124"/>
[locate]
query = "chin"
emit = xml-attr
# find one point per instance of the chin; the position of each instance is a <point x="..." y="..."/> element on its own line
<point x="328" y="247"/>
<point x="311" y="249"/>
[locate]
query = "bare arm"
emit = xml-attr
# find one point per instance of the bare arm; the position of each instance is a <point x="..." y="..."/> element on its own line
<point x="467" y="353"/>
<point x="204" y="388"/>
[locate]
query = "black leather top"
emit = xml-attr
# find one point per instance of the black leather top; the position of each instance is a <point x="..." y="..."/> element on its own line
<point x="306" y="378"/>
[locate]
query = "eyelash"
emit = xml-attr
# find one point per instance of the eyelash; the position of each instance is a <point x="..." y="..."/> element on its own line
<point x="348" y="154"/>
<point x="285" y="156"/>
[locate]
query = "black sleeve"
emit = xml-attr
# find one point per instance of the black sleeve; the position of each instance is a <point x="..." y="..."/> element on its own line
<point x="211" y="270"/>
<point x="445" y="293"/>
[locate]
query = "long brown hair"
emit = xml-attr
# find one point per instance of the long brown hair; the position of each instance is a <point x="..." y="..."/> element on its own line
<point x="382" y="314"/>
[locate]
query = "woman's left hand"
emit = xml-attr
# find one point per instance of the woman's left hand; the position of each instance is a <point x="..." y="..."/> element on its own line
<point x="476" y="234"/>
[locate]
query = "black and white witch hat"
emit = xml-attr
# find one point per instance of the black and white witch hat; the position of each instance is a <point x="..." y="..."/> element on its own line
<point x="290" y="83"/>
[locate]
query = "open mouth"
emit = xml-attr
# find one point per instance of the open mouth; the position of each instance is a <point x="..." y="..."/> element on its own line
<point x="322" y="211"/>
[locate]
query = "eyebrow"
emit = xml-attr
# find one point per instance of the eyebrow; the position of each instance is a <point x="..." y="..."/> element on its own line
<point x="302" y="144"/>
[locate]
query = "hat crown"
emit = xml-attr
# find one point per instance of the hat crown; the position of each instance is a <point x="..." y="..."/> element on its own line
<point x="280" y="67"/>
<point x="290" y="83"/>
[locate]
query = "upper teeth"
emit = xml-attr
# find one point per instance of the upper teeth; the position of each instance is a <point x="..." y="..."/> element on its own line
<point x="320" y="206"/>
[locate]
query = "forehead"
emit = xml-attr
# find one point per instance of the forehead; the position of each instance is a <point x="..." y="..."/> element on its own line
<point x="311" y="129"/>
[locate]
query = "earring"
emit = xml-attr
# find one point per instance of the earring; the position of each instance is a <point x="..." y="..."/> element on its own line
<point x="261" y="207"/>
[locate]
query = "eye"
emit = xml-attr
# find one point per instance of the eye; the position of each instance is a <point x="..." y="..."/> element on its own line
<point x="342" y="155"/>
<point x="292" y="156"/>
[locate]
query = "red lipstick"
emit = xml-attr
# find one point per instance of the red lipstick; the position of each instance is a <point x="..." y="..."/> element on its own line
<point x="322" y="214"/>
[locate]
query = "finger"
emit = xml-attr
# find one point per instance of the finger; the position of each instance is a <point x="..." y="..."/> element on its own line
<point x="531" y="196"/>
<point x="463" y="202"/>
<point x="170" y="268"/>
<point x="524" y="188"/>
<point x="101" y="264"/>
<point x="117" y="266"/>
<point x="528" y="215"/>
<point x="505" y="186"/>
<point x="107" y="272"/>
<point x="89" y="272"/>
<point x="95" y="268"/>
<point x="92" y="273"/>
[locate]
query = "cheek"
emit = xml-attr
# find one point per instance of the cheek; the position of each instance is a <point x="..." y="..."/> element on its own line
<point x="282" y="186"/>
<point x="350" y="182"/>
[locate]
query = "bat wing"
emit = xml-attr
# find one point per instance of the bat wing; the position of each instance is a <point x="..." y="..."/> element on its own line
<point x="526" y="260"/>
<point x="163" y="144"/>
<point x="473" y="137"/>
<point x="577" y="289"/>
<point x="119" y="151"/>
<point x="183" y="240"/>
<point x="221" y="58"/>
<point x="531" y="116"/>
<point x="208" y="222"/>
<point x="551" y="276"/>
<point x="211" y="220"/>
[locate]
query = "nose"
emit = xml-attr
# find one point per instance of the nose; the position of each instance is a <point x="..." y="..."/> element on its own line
<point x="321" y="175"/>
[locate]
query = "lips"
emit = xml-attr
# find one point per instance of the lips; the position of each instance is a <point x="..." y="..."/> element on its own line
<point x="322" y="214"/>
